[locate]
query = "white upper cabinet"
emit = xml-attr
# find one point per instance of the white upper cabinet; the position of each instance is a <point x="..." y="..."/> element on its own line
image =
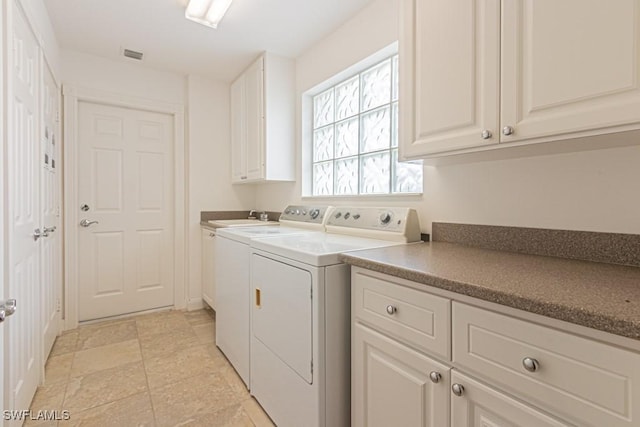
<point x="262" y="121"/>
<point x="475" y="74"/>
<point x="449" y="81"/>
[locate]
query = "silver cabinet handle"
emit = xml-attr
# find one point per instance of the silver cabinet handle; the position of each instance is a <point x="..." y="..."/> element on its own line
<point x="2" y="315"/>
<point x="435" y="377"/>
<point x="87" y="223"/>
<point x="50" y="229"/>
<point x="457" y="389"/>
<point x="486" y="134"/>
<point x="507" y="130"/>
<point x="530" y="364"/>
<point x="391" y="310"/>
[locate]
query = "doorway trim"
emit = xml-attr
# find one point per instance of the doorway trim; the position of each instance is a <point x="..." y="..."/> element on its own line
<point x="72" y="96"/>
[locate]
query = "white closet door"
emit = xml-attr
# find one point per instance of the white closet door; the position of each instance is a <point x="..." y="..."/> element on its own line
<point x="51" y="274"/>
<point x="125" y="179"/>
<point x="24" y="164"/>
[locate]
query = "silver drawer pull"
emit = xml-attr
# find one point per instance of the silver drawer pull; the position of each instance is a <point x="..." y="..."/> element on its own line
<point x="530" y="364"/>
<point x="457" y="389"/>
<point x="435" y="377"/>
<point x="391" y="310"/>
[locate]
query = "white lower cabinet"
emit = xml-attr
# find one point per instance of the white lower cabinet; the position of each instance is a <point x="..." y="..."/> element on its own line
<point x="208" y="267"/>
<point x="394" y="385"/>
<point x="501" y="370"/>
<point x="481" y="406"/>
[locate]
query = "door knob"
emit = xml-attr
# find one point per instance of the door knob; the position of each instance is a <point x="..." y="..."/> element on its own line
<point x="37" y="233"/>
<point x="87" y="223"/>
<point x="8" y="307"/>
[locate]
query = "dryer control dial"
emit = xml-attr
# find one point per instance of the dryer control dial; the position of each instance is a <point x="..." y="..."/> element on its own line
<point x="385" y="218"/>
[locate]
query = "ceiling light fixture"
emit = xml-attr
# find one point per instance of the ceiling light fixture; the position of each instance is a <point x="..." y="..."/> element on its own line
<point x="207" y="12"/>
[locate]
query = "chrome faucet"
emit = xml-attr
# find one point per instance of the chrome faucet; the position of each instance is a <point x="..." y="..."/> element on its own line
<point x="264" y="216"/>
<point x="252" y="214"/>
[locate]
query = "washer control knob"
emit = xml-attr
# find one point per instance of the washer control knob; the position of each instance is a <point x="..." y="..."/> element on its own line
<point x="304" y="212"/>
<point x="356" y="216"/>
<point x="297" y="211"/>
<point x="314" y="213"/>
<point x="385" y="218"/>
<point x="338" y="215"/>
<point x="347" y="215"/>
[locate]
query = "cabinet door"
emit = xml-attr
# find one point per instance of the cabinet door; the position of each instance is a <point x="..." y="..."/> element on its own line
<point x="208" y="268"/>
<point x="391" y="384"/>
<point x="238" y="131"/>
<point x="569" y="67"/>
<point x="255" y="120"/>
<point x="449" y="81"/>
<point x="481" y="406"/>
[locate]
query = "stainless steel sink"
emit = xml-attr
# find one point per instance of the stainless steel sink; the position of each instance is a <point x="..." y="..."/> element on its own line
<point x="239" y="222"/>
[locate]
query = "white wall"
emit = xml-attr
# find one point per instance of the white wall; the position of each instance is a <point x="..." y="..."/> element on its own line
<point x="39" y="18"/>
<point x="122" y="77"/>
<point x="209" y="167"/>
<point x="594" y="191"/>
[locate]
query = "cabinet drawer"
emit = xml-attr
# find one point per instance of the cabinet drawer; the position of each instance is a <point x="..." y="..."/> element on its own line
<point x="415" y="317"/>
<point x="587" y="382"/>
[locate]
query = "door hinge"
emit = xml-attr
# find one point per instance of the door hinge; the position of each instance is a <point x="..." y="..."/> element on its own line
<point x="58" y="116"/>
<point x="58" y="305"/>
<point x="311" y="293"/>
<point x="312" y="367"/>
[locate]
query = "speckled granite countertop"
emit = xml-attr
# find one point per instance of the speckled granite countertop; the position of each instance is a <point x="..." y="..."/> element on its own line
<point x="596" y="295"/>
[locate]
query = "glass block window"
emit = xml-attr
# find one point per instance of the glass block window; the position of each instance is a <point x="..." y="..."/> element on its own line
<point x="355" y="137"/>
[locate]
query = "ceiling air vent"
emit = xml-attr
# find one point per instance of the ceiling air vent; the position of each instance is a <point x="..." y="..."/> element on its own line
<point x="133" y="54"/>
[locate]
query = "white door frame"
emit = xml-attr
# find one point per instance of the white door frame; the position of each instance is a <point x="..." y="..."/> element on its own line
<point x="72" y="96"/>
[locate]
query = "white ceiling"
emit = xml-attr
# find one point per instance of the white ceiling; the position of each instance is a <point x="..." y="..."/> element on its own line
<point x="170" y="42"/>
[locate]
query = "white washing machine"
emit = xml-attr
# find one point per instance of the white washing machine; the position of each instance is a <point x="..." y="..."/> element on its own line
<point x="232" y="270"/>
<point x="300" y="332"/>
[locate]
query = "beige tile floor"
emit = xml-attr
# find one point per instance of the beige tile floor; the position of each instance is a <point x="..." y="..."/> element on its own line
<point x="160" y="369"/>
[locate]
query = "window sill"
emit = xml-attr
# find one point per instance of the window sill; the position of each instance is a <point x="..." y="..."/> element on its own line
<point x="364" y="197"/>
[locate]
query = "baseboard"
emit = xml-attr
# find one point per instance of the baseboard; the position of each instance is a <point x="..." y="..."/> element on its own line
<point x="195" y="304"/>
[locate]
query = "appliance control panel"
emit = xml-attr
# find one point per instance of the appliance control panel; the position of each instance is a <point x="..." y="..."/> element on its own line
<point x="399" y="221"/>
<point x="308" y="214"/>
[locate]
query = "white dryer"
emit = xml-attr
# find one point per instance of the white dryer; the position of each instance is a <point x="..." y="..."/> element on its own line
<point x="300" y="332"/>
<point x="232" y="270"/>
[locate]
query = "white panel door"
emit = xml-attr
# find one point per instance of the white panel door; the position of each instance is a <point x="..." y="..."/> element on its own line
<point x="254" y="88"/>
<point x="482" y="406"/>
<point x="125" y="181"/>
<point x="24" y="164"/>
<point x="391" y="384"/>
<point x="51" y="252"/>
<point x="238" y="131"/>
<point x="569" y="66"/>
<point x="208" y="267"/>
<point x="449" y="81"/>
